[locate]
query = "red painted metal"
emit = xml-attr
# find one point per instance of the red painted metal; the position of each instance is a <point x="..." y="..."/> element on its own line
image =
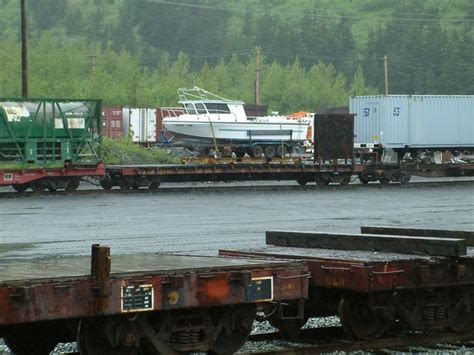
<point x="101" y="293"/>
<point x="370" y="276"/>
<point x="112" y="121"/>
<point x="22" y="176"/>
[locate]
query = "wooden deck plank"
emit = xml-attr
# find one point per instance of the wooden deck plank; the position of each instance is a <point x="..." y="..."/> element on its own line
<point x="419" y="232"/>
<point x="371" y="242"/>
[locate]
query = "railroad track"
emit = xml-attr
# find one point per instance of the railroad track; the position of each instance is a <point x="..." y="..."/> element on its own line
<point x="332" y="339"/>
<point x="228" y="187"/>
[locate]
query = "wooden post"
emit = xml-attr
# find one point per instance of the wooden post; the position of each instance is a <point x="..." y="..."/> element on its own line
<point x="24" y="51"/>
<point x="257" y="78"/>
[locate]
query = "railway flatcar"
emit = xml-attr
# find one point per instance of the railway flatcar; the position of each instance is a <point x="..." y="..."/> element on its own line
<point x="49" y="143"/>
<point x="413" y="279"/>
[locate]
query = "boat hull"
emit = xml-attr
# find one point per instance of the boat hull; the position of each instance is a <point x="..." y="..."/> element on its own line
<point x="205" y="133"/>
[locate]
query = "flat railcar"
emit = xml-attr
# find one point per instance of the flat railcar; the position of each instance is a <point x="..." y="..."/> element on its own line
<point x="373" y="281"/>
<point x="146" y="303"/>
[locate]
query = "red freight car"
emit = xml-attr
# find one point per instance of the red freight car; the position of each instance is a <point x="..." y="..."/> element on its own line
<point x="374" y="281"/>
<point x="153" y="303"/>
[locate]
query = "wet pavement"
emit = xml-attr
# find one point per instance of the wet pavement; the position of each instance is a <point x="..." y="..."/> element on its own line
<point x="200" y="220"/>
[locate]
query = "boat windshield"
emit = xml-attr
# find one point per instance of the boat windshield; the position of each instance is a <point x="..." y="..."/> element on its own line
<point x="190" y="109"/>
<point x="217" y="108"/>
<point x="200" y="108"/>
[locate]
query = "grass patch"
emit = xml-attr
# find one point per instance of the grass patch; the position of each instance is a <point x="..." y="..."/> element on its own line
<point x="124" y="151"/>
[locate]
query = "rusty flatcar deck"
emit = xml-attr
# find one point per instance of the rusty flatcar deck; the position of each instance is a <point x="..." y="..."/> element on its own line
<point x="365" y="271"/>
<point x="62" y="288"/>
<point x="146" y="264"/>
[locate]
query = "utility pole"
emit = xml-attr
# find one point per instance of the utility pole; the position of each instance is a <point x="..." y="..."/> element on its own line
<point x="24" y="52"/>
<point x="93" y="64"/>
<point x="385" y="63"/>
<point x="257" y="79"/>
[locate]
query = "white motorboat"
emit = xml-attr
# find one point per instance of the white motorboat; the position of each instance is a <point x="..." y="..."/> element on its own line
<point x="210" y="121"/>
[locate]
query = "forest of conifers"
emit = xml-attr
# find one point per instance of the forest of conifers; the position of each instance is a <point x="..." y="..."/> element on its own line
<point x="314" y="53"/>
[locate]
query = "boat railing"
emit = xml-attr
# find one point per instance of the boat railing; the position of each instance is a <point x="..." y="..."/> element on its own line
<point x="171" y="111"/>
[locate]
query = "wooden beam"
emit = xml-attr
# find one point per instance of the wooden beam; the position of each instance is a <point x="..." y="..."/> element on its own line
<point x="418" y="232"/>
<point x="369" y="242"/>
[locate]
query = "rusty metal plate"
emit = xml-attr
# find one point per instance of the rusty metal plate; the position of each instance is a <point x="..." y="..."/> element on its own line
<point x="333" y="136"/>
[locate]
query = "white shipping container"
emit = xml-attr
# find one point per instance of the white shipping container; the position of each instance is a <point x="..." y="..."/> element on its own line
<point x="142" y="124"/>
<point x="414" y="121"/>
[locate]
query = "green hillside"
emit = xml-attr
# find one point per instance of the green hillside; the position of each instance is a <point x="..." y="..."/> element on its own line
<point x="314" y="52"/>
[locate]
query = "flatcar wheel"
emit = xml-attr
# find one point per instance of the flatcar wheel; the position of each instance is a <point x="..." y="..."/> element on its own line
<point x="106" y="183"/>
<point x="72" y="184"/>
<point x="346" y="179"/>
<point x="92" y="340"/>
<point x="20" y="187"/>
<point x="257" y="151"/>
<point x="461" y="320"/>
<point x="269" y="151"/>
<point x="384" y="180"/>
<point x="124" y="184"/>
<point x="38" y="186"/>
<point x="321" y="180"/>
<point x="234" y="328"/>
<point x="302" y="182"/>
<point x="363" y="180"/>
<point x="29" y="344"/>
<point x="154" y="185"/>
<point x="359" y="320"/>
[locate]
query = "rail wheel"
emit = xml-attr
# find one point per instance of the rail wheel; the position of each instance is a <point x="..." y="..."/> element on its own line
<point x="404" y="178"/>
<point x="363" y="179"/>
<point x="232" y="329"/>
<point x="106" y="183"/>
<point x="302" y="182"/>
<point x="154" y="184"/>
<point x="38" y="186"/>
<point x="281" y="150"/>
<point x="124" y="183"/>
<point x="322" y="180"/>
<point x="461" y="315"/>
<point x="93" y="338"/>
<point x="384" y="180"/>
<point x="20" y="187"/>
<point x="31" y="342"/>
<point x="257" y="151"/>
<point x="361" y="321"/>
<point x="52" y="184"/>
<point x="270" y="151"/>
<point x="72" y="184"/>
<point x="346" y="179"/>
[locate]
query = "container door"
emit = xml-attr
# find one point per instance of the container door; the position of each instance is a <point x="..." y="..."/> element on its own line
<point x="366" y="120"/>
<point x="394" y="129"/>
<point x="135" y="124"/>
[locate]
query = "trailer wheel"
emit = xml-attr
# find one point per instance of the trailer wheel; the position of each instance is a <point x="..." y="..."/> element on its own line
<point x="269" y="151"/>
<point x="281" y="150"/>
<point x="359" y="320"/>
<point x="257" y="151"/>
<point x="20" y="187"/>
